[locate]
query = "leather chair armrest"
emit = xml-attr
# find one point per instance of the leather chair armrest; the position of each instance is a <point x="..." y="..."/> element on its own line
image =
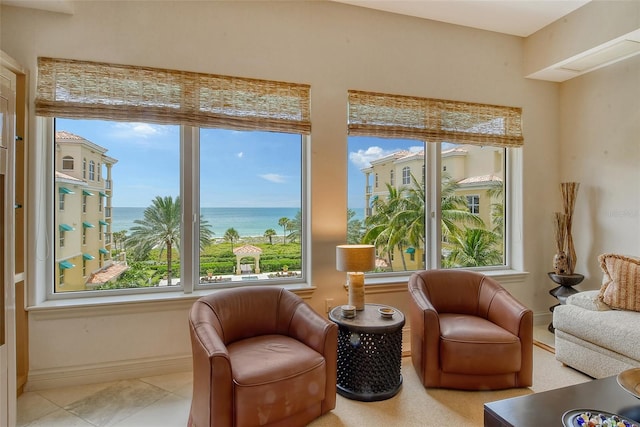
<point x="320" y="334"/>
<point x="508" y="313"/>
<point x="211" y="366"/>
<point x="310" y="328"/>
<point x="511" y="315"/>
<point x="425" y="335"/>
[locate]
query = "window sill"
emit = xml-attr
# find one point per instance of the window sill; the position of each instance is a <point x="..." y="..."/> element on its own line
<point x="137" y="303"/>
<point x="384" y="284"/>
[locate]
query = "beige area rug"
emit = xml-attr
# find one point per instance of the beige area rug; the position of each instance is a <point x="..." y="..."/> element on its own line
<point x="416" y="406"/>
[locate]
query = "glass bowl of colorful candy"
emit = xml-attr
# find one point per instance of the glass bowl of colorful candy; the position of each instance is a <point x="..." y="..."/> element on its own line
<point x="588" y="418"/>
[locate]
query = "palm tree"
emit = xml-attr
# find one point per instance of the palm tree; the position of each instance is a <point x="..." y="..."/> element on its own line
<point x="473" y="247"/>
<point x="355" y="228"/>
<point x="282" y="222"/>
<point x="159" y="228"/>
<point x="410" y="218"/>
<point x="269" y="233"/>
<point x="496" y="193"/>
<point x="453" y="209"/>
<point x="295" y="227"/>
<point x="231" y="235"/>
<point x="382" y="231"/>
<point x="119" y="237"/>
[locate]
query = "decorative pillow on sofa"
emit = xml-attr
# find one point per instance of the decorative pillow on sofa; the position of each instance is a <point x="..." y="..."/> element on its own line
<point x="621" y="281"/>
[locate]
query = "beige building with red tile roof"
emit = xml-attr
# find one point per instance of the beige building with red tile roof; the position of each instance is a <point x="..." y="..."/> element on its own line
<point x="83" y="189"/>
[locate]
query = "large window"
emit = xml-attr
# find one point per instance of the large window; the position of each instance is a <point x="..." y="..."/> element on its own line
<point x="250" y="198"/>
<point x="461" y="152"/>
<point x="389" y="216"/>
<point x="198" y="192"/>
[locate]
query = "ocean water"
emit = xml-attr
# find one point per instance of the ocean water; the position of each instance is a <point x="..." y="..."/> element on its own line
<point x="246" y="221"/>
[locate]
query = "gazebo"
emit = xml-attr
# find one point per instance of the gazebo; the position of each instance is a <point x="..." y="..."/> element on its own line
<point x="244" y="251"/>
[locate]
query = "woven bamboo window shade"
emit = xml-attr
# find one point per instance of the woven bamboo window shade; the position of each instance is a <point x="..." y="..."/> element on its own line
<point x="433" y="120"/>
<point x="92" y="90"/>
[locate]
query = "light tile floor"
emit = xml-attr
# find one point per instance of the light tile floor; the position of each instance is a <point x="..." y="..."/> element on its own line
<point x="161" y="401"/>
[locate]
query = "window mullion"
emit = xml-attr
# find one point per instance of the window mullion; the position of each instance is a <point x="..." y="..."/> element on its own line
<point x="189" y="190"/>
<point x="434" y="210"/>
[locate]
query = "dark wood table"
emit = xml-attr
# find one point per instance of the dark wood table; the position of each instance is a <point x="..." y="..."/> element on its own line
<point x="369" y="354"/>
<point x="547" y="408"/>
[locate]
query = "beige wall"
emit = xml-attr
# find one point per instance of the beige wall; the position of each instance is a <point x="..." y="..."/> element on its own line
<point x="333" y="47"/>
<point x="600" y="148"/>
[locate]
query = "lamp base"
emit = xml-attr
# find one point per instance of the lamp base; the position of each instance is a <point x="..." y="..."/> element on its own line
<point x="356" y="290"/>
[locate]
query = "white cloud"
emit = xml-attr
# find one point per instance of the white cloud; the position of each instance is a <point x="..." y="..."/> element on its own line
<point x="274" y="177"/>
<point x="137" y="130"/>
<point x="362" y="158"/>
<point x="240" y="155"/>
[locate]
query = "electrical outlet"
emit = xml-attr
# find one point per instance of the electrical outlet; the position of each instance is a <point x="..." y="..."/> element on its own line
<point x="328" y="304"/>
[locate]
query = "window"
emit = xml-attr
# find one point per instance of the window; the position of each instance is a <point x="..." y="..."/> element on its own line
<point x="67" y="163"/>
<point x="61" y="201"/>
<point x="406" y="175"/>
<point x="251" y="203"/>
<point x="473" y="203"/>
<point x="467" y="143"/>
<point x="238" y="174"/>
<point x="392" y="180"/>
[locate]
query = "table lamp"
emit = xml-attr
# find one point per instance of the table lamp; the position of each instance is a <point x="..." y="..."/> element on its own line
<point x="355" y="260"/>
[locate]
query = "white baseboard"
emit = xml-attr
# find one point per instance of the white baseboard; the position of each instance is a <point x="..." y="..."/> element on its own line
<point x="542" y="318"/>
<point x="99" y="373"/>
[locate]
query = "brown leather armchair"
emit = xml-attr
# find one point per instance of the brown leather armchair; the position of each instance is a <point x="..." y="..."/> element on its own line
<point x="468" y="332"/>
<point x="261" y="357"/>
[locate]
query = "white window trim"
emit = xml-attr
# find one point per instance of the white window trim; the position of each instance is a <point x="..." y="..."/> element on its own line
<point x="513" y="269"/>
<point x="42" y="269"/>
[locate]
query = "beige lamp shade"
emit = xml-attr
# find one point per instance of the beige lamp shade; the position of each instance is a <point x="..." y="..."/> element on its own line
<point x="355" y="257"/>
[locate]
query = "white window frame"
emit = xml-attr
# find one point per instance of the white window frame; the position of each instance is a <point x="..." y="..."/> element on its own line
<point x="512" y="270"/>
<point x="473" y="203"/>
<point x="41" y="291"/>
<point x="406" y="175"/>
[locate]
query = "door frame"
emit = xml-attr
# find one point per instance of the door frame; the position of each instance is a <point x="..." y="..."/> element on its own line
<point x="13" y="81"/>
<point x="7" y="180"/>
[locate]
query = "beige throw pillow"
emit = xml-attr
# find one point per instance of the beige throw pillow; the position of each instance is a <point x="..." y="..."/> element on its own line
<point x="621" y="281"/>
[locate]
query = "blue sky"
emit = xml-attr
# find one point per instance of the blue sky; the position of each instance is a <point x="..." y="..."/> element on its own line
<point x="238" y="169"/>
<point x="362" y="150"/>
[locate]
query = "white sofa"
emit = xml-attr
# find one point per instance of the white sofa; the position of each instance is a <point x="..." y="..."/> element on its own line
<point x="595" y="339"/>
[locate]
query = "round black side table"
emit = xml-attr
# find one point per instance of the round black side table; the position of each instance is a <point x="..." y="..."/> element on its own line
<point x="369" y="353"/>
<point x="565" y="282"/>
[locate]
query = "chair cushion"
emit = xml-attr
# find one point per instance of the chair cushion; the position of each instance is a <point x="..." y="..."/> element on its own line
<point x="274" y="376"/>
<point x="475" y="346"/>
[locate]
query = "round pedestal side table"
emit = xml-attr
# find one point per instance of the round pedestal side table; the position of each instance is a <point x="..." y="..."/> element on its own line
<point x="565" y="282"/>
<point x="369" y="353"/>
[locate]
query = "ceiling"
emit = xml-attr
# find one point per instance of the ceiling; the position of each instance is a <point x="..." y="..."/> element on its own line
<point x="515" y="17"/>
